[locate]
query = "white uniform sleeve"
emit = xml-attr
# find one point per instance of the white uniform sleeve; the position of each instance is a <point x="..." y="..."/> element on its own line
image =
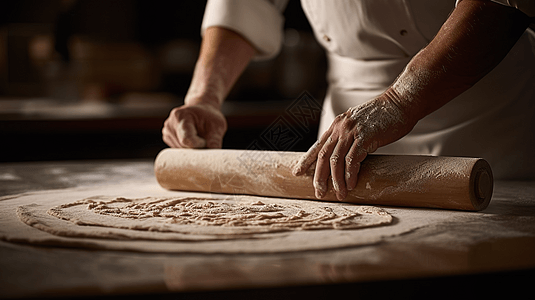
<point x="259" y="21"/>
<point x="525" y="6"/>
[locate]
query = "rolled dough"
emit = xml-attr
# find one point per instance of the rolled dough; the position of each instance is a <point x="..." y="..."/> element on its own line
<point x="195" y="218"/>
<point x="138" y="217"/>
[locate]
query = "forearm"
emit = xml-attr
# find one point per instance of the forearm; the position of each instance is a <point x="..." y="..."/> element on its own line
<point x="223" y="57"/>
<point x="474" y="39"/>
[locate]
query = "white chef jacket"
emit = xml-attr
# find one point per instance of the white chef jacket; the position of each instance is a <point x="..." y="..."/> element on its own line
<point x="369" y="42"/>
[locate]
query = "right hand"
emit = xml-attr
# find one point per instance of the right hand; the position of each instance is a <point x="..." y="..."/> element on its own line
<point x="352" y="135"/>
<point x="198" y="125"/>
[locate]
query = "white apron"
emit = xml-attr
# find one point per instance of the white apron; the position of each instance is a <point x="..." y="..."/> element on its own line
<point x="369" y="42"/>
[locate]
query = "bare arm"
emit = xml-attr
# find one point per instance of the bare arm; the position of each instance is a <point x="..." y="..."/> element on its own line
<point x="199" y="122"/>
<point x="475" y="38"/>
<point x="223" y="57"/>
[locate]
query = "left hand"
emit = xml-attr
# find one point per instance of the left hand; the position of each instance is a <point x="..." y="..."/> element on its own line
<point x="352" y="135"/>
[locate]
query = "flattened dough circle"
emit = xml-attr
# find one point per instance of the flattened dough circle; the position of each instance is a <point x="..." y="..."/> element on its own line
<point x="194" y="219"/>
<point x="24" y="218"/>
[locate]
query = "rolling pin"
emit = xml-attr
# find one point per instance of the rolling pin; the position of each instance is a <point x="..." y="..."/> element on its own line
<point x="395" y="180"/>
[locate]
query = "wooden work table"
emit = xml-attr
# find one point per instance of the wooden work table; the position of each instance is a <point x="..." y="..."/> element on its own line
<point x="493" y="252"/>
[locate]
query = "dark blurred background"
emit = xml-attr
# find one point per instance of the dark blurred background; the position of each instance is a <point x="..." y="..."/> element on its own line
<point x="95" y="79"/>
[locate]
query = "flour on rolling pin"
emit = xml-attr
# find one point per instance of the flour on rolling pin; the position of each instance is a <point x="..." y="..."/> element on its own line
<point x="399" y="180"/>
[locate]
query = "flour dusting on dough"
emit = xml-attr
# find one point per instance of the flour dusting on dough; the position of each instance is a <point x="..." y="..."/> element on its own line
<point x="243" y="215"/>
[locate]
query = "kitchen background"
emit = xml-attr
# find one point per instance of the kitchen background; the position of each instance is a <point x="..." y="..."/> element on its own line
<point x="95" y="79"/>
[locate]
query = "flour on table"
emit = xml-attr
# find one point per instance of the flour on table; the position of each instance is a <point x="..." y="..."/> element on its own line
<point x="237" y="218"/>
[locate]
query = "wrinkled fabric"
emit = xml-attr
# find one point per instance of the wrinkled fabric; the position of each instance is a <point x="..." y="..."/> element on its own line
<point x="369" y="42"/>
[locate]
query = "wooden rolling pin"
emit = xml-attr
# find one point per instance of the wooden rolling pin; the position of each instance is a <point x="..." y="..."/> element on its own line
<point x="398" y="180"/>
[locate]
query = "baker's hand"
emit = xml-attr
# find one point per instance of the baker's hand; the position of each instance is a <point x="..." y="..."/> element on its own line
<point x="352" y="135"/>
<point x="199" y="125"/>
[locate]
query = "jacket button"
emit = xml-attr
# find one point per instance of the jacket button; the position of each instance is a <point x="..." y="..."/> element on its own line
<point x="326" y="38"/>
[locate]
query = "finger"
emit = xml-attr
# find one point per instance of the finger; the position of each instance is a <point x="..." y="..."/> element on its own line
<point x="169" y="135"/>
<point x="214" y="141"/>
<point x="310" y="157"/>
<point x="307" y="159"/>
<point x="170" y="138"/>
<point x="214" y="134"/>
<point x="187" y="134"/>
<point x="323" y="168"/>
<point x="338" y="168"/>
<point x="351" y="175"/>
<point x="354" y="157"/>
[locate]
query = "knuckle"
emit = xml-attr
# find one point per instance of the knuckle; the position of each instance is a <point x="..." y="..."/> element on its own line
<point x="322" y="154"/>
<point x="176" y="111"/>
<point x="325" y="135"/>
<point x="167" y="123"/>
<point x="359" y="141"/>
<point x="334" y="159"/>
